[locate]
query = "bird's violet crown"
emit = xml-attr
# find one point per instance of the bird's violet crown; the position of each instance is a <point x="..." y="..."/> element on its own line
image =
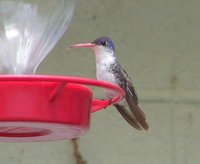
<point x="104" y="41"/>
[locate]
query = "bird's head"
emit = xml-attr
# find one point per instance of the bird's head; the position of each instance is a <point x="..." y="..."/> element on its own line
<point x="100" y="45"/>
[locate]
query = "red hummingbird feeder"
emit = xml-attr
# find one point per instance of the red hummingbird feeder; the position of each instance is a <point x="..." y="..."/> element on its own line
<point x="44" y="108"/>
<point x="39" y="107"/>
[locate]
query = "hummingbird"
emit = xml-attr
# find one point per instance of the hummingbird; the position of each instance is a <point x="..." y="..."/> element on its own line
<point x="108" y="69"/>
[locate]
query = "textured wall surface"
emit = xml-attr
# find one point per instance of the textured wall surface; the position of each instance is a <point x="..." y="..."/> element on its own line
<point x="158" y="42"/>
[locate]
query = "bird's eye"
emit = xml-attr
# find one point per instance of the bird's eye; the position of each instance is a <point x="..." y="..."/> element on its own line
<point x="104" y="43"/>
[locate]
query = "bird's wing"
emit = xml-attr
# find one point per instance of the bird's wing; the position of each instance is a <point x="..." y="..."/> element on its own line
<point x="130" y="95"/>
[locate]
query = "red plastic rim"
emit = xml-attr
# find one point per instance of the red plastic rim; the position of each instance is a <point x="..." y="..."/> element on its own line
<point x="44" y="108"/>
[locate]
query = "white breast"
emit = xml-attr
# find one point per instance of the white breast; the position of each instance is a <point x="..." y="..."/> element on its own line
<point x="104" y="60"/>
<point x="103" y="74"/>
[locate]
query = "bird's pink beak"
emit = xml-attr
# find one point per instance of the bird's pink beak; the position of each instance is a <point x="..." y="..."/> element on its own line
<point x="83" y="45"/>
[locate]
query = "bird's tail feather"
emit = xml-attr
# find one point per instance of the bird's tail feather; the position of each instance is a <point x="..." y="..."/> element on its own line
<point x="138" y="113"/>
<point x="128" y="116"/>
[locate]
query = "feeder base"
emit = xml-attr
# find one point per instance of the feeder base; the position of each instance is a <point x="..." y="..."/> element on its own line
<point x="38" y="131"/>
